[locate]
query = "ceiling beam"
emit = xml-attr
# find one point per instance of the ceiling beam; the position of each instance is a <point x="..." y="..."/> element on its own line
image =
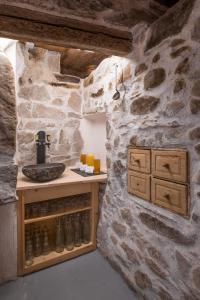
<point x="18" y="11"/>
<point x="32" y="31"/>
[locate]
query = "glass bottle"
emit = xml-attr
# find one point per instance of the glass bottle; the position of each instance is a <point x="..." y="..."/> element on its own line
<point x="86" y="227"/>
<point x="77" y="230"/>
<point x="27" y="211"/>
<point x="28" y="249"/>
<point x="59" y="236"/>
<point x="46" y="248"/>
<point x="37" y="241"/>
<point x="69" y="233"/>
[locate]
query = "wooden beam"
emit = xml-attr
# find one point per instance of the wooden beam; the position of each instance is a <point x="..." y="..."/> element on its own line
<point x="18" y="11"/>
<point x="33" y="31"/>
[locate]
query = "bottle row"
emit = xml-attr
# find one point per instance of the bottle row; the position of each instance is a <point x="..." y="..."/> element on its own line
<point x="64" y="233"/>
<point x="45" y="208"/>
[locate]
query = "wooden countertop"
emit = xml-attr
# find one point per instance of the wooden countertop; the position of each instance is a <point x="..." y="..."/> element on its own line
<point x="68" y="177"/>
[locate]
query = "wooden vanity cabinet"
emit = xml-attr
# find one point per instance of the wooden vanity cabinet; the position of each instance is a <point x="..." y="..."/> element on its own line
<point x="46" y="192"/>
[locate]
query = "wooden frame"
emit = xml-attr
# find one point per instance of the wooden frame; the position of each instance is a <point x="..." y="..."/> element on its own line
<point x="29" y="196"/>
<point x="62" y="35"/>
<point x="174" y="178"/>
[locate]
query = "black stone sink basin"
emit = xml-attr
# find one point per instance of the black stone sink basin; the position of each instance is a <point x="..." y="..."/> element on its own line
<point x="43" y="172"/>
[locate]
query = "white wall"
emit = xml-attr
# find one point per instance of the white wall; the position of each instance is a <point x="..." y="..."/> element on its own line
<point x="93" y="131"/>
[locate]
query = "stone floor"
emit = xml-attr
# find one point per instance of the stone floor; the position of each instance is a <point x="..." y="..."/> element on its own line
<point x="88" y="277"/>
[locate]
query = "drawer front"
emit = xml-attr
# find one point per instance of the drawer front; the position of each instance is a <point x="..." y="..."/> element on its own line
<point x="172" y="196"/>
<point x="139" y="160"/>
<point x="139" y="184"/>
<point x="170" y="164"/>
<point x="46" y="193"/>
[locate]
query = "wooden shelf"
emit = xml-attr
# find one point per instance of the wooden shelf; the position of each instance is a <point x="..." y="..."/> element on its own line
<point x="69" y="185"/>
<point x="40" y="219"/>
<point x="95" y="115"/>
<point x="53" y="257"/>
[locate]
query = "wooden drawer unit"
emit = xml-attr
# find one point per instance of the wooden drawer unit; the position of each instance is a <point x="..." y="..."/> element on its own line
<point x="139" y="160"/>
<point x="170" y="164"/>
<point x="172" y="196"/>
<point x="139" y="184"/>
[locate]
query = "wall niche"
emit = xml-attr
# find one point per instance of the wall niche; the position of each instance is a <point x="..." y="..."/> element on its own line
<point x="160" y="176"/>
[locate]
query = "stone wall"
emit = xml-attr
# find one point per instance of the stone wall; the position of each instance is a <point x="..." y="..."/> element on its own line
<point x="156" y="251"/>
<point x="45" y="103"/>
<point x="8" y="171"/>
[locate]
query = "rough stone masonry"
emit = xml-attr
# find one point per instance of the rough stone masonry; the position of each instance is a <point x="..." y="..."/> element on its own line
<point x="156" y="251"/>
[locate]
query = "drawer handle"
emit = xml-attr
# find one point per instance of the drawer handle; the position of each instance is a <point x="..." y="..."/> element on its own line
<point x="137" y="161"/>
<point x="167" y="166"/>
<point x="167" y="196"/>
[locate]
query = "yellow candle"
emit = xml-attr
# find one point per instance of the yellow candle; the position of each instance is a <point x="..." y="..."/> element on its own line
<point x="83" y="159"/>
<point x="90" y="160"/>
<point x="97" y="166"/>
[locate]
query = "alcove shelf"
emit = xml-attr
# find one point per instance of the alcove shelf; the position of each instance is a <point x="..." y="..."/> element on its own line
<point x="94" y="115"/>
<point x="70" y="186"/>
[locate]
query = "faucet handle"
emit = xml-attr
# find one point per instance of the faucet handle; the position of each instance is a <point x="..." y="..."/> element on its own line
<point x="48" y="138"/>
<point x="36" y="137"/>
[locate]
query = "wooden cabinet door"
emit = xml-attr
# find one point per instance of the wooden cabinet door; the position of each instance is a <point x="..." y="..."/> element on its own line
<point x="170" y="164"/>
<point x="172" y="196"/>
<point x="139" y="160"/>
<point x="139" y="184"/>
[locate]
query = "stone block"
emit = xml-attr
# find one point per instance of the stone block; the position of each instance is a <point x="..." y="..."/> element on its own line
<point x="154" y="78"/>
<point x="130" y="253"/>
<point x="142" y="280"/>
<point x="177" y="42"/>
<point x="170" y="24"/>
<point x="155" y="268"/>
<point x="167" y="231"/>
<point x="156" y="58"/>
<point x="196" y="277"/>
<point x="141" y="68"/>
<point x="44" y="111"/>
<point x="196" y="31"/>
<point x="157" y="255"/>
<point x="127" y="216"/>
<point x="197" y="148"/>
<point x="180" y="51"/>
<point x="24" y="110"/>
<point x="99" y="93"/>
<point x="180" y="84"/>
<point x="74" y="102"/>
<point x="184" y="265"/>
<point x="144" y="105"/>
<point x="196" y="89"/>
<point x="194" y="134"/>
<point x="183" y="67"/>
<point x="195" y="106"/>
<point x="34" y="92"/>
<point x="119" y="229"/>
<point x="8" y="182"/>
